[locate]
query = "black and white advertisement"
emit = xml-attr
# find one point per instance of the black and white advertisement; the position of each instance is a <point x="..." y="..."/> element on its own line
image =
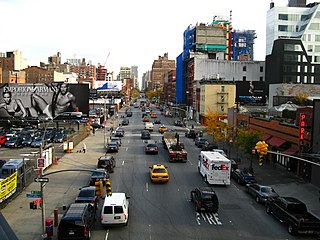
<point x="251" y="93"/>
<point x="44" y="101"/>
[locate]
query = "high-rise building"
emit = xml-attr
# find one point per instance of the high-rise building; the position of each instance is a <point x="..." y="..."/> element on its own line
<point x="292" y="43"/>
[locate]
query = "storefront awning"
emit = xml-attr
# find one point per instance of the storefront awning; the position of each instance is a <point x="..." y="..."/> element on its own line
<point x="266" y="136"/>
<point x="293" y="149"/>
<point x="275" y="141"/>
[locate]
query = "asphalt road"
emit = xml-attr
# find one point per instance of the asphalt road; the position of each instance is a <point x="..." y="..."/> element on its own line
<point x="156" y="211"/>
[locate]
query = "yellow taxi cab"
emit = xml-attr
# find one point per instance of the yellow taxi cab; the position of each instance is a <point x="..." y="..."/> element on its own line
<point x="153" y="115"/>
<point x="162" y="128"/>
<point x="159" y="173"/>
<point x="146" y="119"/>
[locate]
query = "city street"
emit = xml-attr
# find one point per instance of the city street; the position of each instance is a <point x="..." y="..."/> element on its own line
<point x="161" y="211"/>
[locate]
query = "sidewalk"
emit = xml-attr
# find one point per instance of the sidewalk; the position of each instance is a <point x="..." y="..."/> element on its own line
<point x="26" y="222"/>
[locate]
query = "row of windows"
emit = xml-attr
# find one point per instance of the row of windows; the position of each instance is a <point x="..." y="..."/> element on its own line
<point x="298" y="79"/>
<point x="297" y="17"/>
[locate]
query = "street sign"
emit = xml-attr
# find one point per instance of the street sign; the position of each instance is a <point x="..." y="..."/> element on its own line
<point x="35" y="192"/>
<point x="28" y="195"/>
<point x="41" y="179"/>
<point x="40" y="163"/>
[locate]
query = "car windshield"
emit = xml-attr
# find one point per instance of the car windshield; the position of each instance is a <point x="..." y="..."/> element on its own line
<point x="267" y="190"/>
<point x="151" y="145"/>
<point x="159" y="170"/>
<point x="86" y="193"/>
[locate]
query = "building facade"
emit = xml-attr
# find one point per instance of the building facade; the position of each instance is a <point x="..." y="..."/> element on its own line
<point x="160" y="68"/>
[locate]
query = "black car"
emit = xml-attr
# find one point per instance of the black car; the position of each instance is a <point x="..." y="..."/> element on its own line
<point x="157" y="121"/>
<point x="200" y="141"/>
<point x="77" y="222"/>
<point x="178" y="123"/>
<point x="129" y="114"/>
<point x="98" y="174"/>
<point x="107" y="162"/>
<point x="209" y="146"/>
<point x="151" y="148"/>
<point x="191" y="133"/>
<point x="261" y="193"/>
<point x="125" y="122"/>
<point x="242" y="176"/>
<point x="88" y="195"/>
<point x="145" y="134"/>
<point x="205" y="199"/>
<point x="112" y="147"/>
<point x="96" y="125"/>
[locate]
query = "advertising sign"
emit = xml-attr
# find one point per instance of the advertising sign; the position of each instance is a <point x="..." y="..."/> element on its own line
<point x="40" y="163"/>
<point x="251" y="92"/>
<point x="8" y="186"/>
<point x="43" y="101"/>
<point x="108" y="85"/>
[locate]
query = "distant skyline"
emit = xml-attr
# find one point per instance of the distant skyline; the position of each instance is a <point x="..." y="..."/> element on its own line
<point x="132" y="32"/>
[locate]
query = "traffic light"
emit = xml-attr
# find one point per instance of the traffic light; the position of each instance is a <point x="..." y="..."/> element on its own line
<point x="108" y="187"/>
<point x="99" y="188"/>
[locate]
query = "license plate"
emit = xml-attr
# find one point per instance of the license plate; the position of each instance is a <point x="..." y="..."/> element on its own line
<point x="117" y="217"/>
<point x="71" y="232"/>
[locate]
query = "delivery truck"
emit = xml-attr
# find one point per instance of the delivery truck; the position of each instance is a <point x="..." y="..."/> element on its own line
<point x="214" y="168"/>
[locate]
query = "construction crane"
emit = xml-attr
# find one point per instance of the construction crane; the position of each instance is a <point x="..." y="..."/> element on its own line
<point x="105" y="62"/>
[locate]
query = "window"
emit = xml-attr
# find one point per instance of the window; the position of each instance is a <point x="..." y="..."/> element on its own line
<point x="261" y="79"/>
<point x="244" y="68"/>
<point x="222" y="108"/>
<point x="244" y="78"/>
<point x="261" y="69"/>
<point x="314" y="26"/>
<point x="317" y="15"/>
<point x="291" y="58"/>
<point x="107" y="210"/>
<point x="118" y="209"/>
<point x="283" y="16"/>
<point x="282" y="28"/>
<point x="222" y="99"/>
<point x="222" y="88"/>
<point x="317" y="48"/>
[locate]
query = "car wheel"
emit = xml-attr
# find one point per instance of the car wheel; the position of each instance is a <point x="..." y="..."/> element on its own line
<point x="268" y="210"/>
<point x="205" y="179"/>
<point x="89" y="234"/>
<point x="291" y="229"/>
<point x="257" y="199"/>
<point x="197" y="208"/>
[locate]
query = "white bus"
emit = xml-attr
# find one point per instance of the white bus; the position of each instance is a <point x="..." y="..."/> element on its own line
<point x="214" y="168"/>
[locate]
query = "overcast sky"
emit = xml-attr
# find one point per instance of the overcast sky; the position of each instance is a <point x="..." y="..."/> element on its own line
<point x="133" y="32"/>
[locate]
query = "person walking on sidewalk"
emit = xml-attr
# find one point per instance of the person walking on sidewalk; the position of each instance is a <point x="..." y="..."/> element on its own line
<point x="84" y="148"/>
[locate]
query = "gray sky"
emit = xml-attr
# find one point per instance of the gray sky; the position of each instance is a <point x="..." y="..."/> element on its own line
<point x="133" y="32"/>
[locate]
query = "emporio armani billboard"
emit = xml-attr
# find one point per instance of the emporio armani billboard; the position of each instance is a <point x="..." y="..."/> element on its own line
<point x="43" y="101"/>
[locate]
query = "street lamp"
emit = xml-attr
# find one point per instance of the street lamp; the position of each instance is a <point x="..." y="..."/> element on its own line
<point x="105" y="119"/>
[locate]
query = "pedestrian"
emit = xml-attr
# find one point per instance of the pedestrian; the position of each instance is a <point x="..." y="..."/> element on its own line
<point x="84" y="148"/>
<point x="93" y="131"/>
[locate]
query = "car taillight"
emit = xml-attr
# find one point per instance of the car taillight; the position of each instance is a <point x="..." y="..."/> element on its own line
<point x="84" y="231"/>
<point x="156" y="148"/>
<point x="92" y="201"/>
<point x="147" y="148"/>
<point x="101" y="218"/>
<point x="111" y="166"/>
<point x="125" y="216"/>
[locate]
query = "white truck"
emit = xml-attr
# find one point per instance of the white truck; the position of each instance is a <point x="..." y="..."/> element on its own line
<point x="214" y="168"/>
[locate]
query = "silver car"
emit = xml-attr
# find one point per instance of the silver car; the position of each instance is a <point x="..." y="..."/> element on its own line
<point x="260" y="192"/>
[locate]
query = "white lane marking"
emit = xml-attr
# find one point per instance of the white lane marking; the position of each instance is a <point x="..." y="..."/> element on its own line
<point x="208" y="218"/>
<point x="211" y="218"/>
<point x="217" y="219"/>
<point x="150" y="232"/>
<point x="126" y="149"/>
<point x="204" y="218"/>
<point x="122" y="163"/>
<point x="147" y="187"/>
<point x="190" y="162"/>
<point x="107" y="234"/>
<point x="128" y="141"/>
<point x="198" y="218"/>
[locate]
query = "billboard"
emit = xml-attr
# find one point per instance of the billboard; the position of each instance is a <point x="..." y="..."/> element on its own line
<point x="251" y="92"/>
<point x="43" y="101"/>
<point x="108" y="85"/>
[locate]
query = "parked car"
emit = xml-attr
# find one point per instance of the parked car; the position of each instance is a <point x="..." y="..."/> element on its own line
<point x="37" y="142"/>
<point x="117" y="140"/>
<point x="242" y="176"/>
<point x="107" y="162"/>
<point x="145" y="134"/>
<point x="14" y="142"/>
<point x="125" y="122"/>
<point x="151" y="148"/>
<point x="96" y="125"/>
<point x="60" y="137"/>
<point x="200" y="141"/>
<point x="119" y="132"/>
<point x="209" y="146"/>
<point x="260" y="192"/>
<point x="146" y="119"/>
<point x="157" y="121"/>
<point x="3" y="140"/>
<point x="77" y="222"/>
<point x="88" y="195"/>
<point x="112" y="147"/>
<point x="205" y="199"/>
<point x="129" y="114"/>
<point x="27" y="141"/>
<point x="98" y="174"/>
<point x="159" y="173"/>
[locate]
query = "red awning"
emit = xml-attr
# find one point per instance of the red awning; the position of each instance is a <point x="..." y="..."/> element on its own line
<point x="293" y="149"/>
<point x="275" y="141"/>
<point x="265" y="137"/>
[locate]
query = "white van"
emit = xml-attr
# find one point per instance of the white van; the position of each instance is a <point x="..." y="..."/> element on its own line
<point x="214" y="168"/>
<point x="115" y="210"/>
<point x="148" y="126"/>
